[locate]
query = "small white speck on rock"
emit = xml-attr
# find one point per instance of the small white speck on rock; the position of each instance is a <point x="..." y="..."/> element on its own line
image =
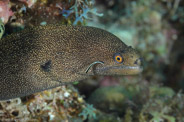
<point x="51" y="116"/>
<point x="66" y="94"/>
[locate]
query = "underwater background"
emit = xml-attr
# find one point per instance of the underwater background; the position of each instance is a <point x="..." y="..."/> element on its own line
<point x="154" y="27"/>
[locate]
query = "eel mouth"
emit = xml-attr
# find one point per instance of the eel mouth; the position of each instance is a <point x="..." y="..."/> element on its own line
<point x="119" y="70"/>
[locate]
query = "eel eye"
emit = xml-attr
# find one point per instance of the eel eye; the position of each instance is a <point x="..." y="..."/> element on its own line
<point x="118" y="58"/>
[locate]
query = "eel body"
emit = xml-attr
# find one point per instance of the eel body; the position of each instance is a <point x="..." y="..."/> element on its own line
<point x="45" y="57"/>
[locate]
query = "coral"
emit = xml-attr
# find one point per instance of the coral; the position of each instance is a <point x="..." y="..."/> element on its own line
<point x="155" y="102"/>
<point x="164" y="109"/>
<point x="29" y="3"/>
<point x="41" y="12"/>
<point x="111" y="98"/>
<point x="80" y="16"/>
<point x="134" y="100"/>
<point x="88" y="112"/>
<point x="5" y="11"/>
<point x="157" y="117"/>
<point x="13" y="110"/>
<point x="62" y="103"/>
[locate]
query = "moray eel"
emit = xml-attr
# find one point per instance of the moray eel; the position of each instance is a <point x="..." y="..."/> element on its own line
<point x="44" y="57"/>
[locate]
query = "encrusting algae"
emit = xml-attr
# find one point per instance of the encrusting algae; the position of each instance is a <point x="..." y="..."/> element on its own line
<point x="62" y="103"/>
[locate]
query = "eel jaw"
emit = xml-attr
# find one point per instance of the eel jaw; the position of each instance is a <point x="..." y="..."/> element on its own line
<point x="118" y="70"/>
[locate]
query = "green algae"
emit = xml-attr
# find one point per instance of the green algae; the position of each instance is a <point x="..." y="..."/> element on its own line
<point x="2" y="28"/>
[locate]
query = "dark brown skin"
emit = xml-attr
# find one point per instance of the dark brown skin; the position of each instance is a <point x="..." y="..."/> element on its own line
<point x="45" y="57"/>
